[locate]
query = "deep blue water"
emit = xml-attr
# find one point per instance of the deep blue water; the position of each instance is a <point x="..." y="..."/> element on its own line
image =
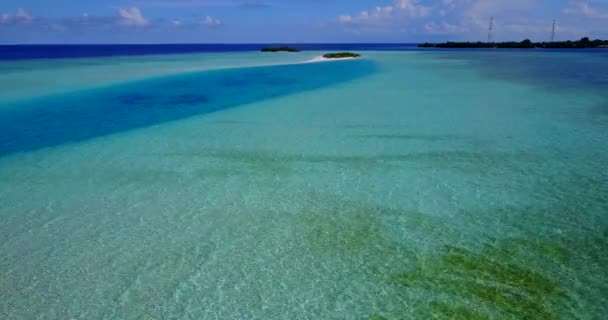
<point x="23" y="52"/>
<point x="82" y="115"/>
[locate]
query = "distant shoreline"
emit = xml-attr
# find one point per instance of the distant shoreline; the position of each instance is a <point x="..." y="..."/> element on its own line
<point x="92" y="51"/>
<point x="584" y="43"/>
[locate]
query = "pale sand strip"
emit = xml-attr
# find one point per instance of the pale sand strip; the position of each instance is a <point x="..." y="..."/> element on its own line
<point x="322" y="59"/>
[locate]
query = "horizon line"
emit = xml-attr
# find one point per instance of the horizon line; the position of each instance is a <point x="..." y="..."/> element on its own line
<point x="261" y="43"/>
<point x="198" y="43"/>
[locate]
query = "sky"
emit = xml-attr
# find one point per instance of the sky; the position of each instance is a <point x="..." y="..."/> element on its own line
<point x="292" y="21"/>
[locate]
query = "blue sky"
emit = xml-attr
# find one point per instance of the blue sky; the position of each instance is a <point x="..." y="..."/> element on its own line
<point x="229" y="21"/>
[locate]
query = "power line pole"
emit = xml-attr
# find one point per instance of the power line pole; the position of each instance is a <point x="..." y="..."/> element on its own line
<point x="553" y="32"/>
<point x="490" y="29"/>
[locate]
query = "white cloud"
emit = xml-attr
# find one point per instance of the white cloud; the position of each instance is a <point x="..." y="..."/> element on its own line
<point x="499" y="7"/>
<point x="381" y="14"/>
<point x="23" y="15"/>
<point x="345" y="18"/>
<point x="412" y="8"/>
<point x="377" y="14"/>
<point x="469" y="19"/>
<point x="132" y="17"/>
<point x="210" y="21"/>
<point x="479" y="12"/>
<point x="513" y="19"/>
<point x="583" y="8"/>
<point x="447" y="6"/>
<point x="57" y="27"/>
<point x="4" y="18"/>
<point x="443" y="28"/>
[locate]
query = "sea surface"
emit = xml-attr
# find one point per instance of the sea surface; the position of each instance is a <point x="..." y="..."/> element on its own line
<point x="232" y="184"/>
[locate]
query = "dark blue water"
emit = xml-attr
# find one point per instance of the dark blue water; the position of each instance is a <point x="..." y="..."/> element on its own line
<point x="84" y="115"/>
<point x="24" y="52"/>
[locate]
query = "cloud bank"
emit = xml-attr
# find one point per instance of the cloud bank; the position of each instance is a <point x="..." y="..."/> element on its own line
<point x="318" y="21"/>
<point x="470" y="19"/>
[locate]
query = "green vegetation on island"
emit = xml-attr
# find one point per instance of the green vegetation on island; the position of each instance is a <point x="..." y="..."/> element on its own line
<point x="525" y="44"/>
<point x="280" y="49"/>
<point x="340" y="55"/>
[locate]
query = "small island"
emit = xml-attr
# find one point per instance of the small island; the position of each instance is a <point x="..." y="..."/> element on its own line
<point x="280" y="49"/>
<point x="583" y="43"/>
<point x="341" y="55"/>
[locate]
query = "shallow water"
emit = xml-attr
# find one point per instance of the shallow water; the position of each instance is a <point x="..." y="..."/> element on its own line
<point x="408" y="185"/>
<point x="88" y="114"/>
<point x="34" y="78"/>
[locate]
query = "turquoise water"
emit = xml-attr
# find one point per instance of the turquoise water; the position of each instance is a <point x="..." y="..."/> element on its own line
<point x="87" y="114"/>
<point x="408" y="185"/>
<point x="29" y="78"/>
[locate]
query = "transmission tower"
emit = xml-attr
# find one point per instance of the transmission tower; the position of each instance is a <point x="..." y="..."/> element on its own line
<point x="490" y="29"/>
<point x="553" y="32"/>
